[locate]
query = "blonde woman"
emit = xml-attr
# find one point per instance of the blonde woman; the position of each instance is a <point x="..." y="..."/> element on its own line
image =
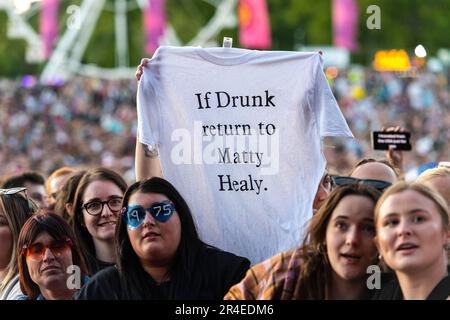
<point x="412" y="236"/>
<point x="439" y="179"/>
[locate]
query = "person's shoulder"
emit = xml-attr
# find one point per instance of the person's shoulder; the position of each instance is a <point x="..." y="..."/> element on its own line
<point x="25" y="297"/>
<point x="442" y="290"/>
<point x="390" y="288"/>
<point x="103" y="285"/>
<point x="109" y="276"/>
<point x="110" y="272"/>
<point x="278" y="264"/>
<point x="222" y="259"/>
<point x="12" y="290"/>
<point x="265" y="280"/>
<point x="213" y="251"/>
<point x="223" y="264"/>
<point x="283" y="260"/>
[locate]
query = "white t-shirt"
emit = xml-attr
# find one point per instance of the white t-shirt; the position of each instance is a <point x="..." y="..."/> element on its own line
<point x="240" y="136"/>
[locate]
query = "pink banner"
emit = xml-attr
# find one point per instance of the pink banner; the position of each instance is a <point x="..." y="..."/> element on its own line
<point x="48" y="25"/>
<point x="345" y="24"/>
<point x="154" y="24"/>
<point x="254" y="25"/>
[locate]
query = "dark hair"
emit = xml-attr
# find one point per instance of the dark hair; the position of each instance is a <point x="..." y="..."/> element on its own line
<point x="77" y="220"/>
<point x="371" y="160"/>
<point x="67" y="195"/>
<point x="315" y="270"/>
<point x="20" y="180"/>
<point x="128" y="263"/>
<point x="17" y="209"/>
<point x="58" y="229"/>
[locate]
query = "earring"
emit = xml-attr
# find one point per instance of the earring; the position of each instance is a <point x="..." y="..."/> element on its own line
<point x="380" y="257"/>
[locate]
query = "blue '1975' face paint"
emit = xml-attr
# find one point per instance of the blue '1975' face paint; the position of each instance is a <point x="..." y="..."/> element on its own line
<point x="134" y="215"/>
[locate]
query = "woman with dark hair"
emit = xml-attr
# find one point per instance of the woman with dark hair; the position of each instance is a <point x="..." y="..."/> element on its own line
<point x="66" y="195"/>
<point x="96" y="209"/>
<point x="48" y="256"/>
<point x="332" y="262"/>
<point x="159" y="252"/>
<point x="15" y="209"/>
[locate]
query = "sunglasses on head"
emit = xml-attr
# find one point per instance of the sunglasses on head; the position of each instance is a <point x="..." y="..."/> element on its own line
<point x="37" y="250"/>
<point x="326" y="182"/>
<point x="13" y="191"/>
<point x="377" y="184"/>
<point x="134" y="215"/>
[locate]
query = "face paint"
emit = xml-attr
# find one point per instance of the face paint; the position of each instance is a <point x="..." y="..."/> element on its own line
<point x="134" y="215"/>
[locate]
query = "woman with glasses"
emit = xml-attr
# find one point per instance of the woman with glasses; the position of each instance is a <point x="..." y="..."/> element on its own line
<point x="51" y="266"/>
<point x="332" y="262"/>
<point x="159" y="253"/>
<point x="96" y="209"/>
<point x="413" y="237"/>
<point x="15" y="209"/>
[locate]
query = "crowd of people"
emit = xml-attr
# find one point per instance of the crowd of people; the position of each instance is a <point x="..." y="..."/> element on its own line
<point x="83" y="123"/>
<point x="140" y="242"/>
<point x="91" y="122"/>
<point x="81" y="213"/>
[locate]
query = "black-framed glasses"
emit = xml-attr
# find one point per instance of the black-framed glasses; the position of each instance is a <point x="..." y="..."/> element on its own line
<point x="377" y="184"/>
<point x="95" y="207"/>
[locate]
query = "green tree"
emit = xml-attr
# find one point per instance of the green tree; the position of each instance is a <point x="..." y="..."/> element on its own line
<point x="404" y="24"/>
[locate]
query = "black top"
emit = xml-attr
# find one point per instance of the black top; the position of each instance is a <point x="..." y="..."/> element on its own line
<point x="392" y="290"/>
<point x="95" y="265"/>
<point x="215" y="272"/>
<point x="103" y="265"/>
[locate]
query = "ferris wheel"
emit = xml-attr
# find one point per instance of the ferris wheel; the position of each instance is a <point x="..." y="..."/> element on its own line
<point x="66" y="58"/>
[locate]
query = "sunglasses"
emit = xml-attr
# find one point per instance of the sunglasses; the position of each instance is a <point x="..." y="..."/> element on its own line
<point x="12" y="190"/>
<point x="37" y="250"/>
<point x="134" y="215"/>
<point x="326" y="182"/>
<point x="377" y="184"/>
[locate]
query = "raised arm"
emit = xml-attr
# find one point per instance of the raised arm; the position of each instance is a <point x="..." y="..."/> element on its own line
<point x="395" y="157"/>
<point x="146" y="161"/>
